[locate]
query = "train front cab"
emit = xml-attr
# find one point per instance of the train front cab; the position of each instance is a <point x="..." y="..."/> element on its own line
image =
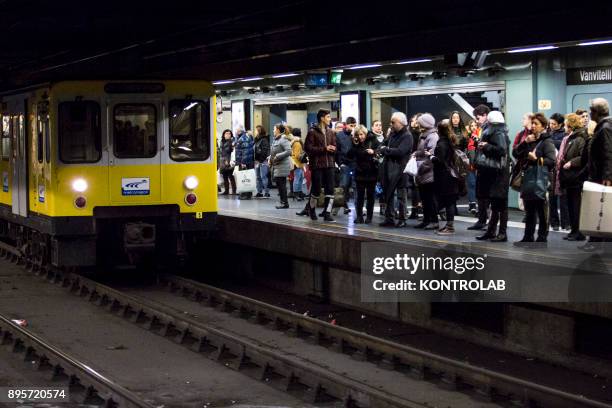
<point x="117" y="171"/>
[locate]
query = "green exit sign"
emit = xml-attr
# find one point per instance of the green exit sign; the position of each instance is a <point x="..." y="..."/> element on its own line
<point x="335" y="78"/>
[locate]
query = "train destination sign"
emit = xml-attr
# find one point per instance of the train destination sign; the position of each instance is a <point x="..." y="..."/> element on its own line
<point x="586" y="76"/>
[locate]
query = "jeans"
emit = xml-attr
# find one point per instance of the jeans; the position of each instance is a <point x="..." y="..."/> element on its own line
<point x="346" y="181"/>
<point x="447" y="203"/>
<point x="262" y="170"/>
<point x="471" y="186"/>
<point x="574" y="200"/>
<point x="365" y="188"/>
<point x="558" y="204"/>
<point x="536" y="209"/>
<point x="281" y="183"/>
<point x="430" y="212"/>
<point x="298" y="180"/>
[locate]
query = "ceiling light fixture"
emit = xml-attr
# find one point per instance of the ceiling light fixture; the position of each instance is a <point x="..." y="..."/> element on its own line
<point x="223" y="82"/>
<point x="529" y="49"/>
<point x="582" y="44"/>
<point x="251" y="79"/>
<point x="412" y="61"/>
<point x="365" y="66"/>
<point x="285" y="75"/>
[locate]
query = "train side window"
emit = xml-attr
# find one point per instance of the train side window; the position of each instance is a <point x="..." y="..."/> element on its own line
<point x="80" y="136"/>
<point x="5" y="138"/>
<point x="47" y="142"/>
<point x="189" y="133"/>
<point x="135" y="130"/>
<point x="40" y="137"/>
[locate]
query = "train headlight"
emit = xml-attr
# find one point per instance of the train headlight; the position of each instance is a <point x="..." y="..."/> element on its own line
<point x="191" y="183"/>
<point x="79" y="185"/>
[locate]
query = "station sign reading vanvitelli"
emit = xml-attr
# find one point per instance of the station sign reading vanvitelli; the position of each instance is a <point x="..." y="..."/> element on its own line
<point x="587" y="76"/>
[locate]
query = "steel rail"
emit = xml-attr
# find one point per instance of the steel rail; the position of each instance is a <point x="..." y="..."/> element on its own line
<point x="85" y="384"/>
<point x="303" y="380"/>
<point x="388" y="354"/>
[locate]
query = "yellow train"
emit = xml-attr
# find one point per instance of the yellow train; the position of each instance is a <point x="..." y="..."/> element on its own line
<point x="97" y="172"/>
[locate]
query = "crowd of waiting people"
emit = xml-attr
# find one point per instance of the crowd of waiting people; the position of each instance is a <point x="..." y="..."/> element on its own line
<point x="452" y="159"/>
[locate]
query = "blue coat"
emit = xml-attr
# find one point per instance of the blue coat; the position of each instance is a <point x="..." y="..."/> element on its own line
<point x="245" y="152"/>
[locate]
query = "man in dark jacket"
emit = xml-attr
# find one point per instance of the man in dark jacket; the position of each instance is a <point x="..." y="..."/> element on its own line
<point x="262" y="151"/>
<point x="480" y="113"/>
<point x="344" y="140"/>
<point x="320" y="145"/>
<point x="396" y="152"/>
<point x="599" y="153"/>
<point x="558" y="203"/>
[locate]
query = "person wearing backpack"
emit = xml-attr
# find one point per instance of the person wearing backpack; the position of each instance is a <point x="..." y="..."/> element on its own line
<point x="493" y="184"/>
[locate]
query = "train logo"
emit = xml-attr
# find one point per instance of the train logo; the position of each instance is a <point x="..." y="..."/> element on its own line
<point x="41" y="193"/>
<point x="135" y="186"/>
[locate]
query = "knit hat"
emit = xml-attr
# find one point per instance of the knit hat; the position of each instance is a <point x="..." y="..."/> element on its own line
<point x="426" y="121"/>
<point x="495" y="117"/>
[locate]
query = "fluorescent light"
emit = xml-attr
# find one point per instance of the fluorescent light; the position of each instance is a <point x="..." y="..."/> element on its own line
<point x="542" y="48"/>
<point x="222" y="82"/>
<point x="285" y="75"/>
<point x="191" y="105"/>
<point x="412" y="61"/>
<point x="251" y="79"/>
<point x="595" y="42"/>
<point x="365" y="66"/>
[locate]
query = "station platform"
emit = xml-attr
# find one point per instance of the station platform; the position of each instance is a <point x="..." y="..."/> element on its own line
<point x="554" y="303"/>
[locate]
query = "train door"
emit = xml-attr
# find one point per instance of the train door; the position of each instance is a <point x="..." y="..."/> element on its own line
<point x="19" y="161"/>
<point x="135" y="136"/>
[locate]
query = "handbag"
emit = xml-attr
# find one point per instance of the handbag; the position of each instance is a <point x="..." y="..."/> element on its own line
<point x="482" y="161"/>
<point x="517" y="181"/>
<point x="246" y="181"/>
<point x="411" y="167"/>
<point x="535" y="182"/>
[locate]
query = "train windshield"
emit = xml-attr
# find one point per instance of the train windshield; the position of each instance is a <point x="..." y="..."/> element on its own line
<point x="135" y="130"/>
<point x="79" y="132"/>
<point x="189" y="139"/>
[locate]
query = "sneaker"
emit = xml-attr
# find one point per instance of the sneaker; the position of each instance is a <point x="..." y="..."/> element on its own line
<point x="472" y="209"/>
<point x="401" y="224"/>
<point x="448" y="230"/>
<point x="432" y="226"/>
<point x="258" y="195"/>
<point x="267" y="195"/>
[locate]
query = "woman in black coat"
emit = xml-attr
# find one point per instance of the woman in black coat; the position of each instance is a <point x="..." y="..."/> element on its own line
<point x="446" y="185"/>
<point x="536" y="149"/>
<point x="570" y="173"/>
<point x="363" y="152"/>
<point x="493" y="184"/>
<point x="226" y="166"/>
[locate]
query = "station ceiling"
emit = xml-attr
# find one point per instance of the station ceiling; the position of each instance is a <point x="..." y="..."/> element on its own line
<point x="42" y="40"/>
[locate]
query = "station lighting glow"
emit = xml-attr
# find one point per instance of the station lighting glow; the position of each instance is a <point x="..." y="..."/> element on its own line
<point x="542" y="48"/>
<point x="412" y="61"/>
<point x="251" y="79"/>
<point x="365" y="66"/>
<point x="595" y="42"/>
<point x="222" y="82"/>
<point x="285" y="75"/>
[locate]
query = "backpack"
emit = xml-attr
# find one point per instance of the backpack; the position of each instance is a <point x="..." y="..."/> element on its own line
<point x="461" y="164"/>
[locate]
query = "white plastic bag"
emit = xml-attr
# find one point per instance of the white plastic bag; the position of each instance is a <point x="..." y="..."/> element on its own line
<point x="219" y="179"/>
<point x="412" y="167"/>
<point x="246" y="181"/>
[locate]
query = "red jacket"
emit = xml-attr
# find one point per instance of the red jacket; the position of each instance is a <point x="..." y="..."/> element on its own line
<point x="520" y="136"/>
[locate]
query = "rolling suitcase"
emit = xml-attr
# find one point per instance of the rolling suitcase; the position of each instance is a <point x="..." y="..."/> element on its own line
<point x="596" y="210"/>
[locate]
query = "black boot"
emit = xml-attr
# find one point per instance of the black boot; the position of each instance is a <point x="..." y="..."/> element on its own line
<point x="306" y="211"/>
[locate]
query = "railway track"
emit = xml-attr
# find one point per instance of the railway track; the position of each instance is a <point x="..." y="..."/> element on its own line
<point x="84" y="385"/>
<point x="310" y="383"/>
